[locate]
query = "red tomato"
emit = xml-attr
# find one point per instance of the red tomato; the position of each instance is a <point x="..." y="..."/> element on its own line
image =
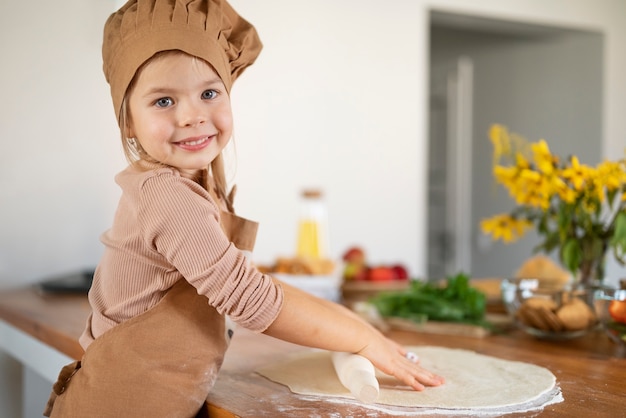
<point x="617" y="309"/>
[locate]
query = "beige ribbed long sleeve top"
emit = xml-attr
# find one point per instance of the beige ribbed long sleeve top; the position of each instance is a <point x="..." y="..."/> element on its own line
<point x="167" y="228"/>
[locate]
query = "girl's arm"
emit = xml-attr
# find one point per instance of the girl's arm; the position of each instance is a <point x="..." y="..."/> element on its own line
<point x="313" y="322"/>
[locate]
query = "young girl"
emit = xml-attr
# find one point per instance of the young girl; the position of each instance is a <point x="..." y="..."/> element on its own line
<point x="174" y="263"/>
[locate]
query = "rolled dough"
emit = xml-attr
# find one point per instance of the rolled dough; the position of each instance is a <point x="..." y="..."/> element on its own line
<point x="473" y="381"/>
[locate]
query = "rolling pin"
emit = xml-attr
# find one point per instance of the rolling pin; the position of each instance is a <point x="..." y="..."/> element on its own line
<point x="357" y="374"/>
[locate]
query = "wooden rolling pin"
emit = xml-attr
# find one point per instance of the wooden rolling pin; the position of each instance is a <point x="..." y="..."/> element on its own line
<point x="357" y="374"/>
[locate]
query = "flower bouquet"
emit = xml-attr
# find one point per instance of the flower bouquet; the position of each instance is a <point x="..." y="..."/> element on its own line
<point x="578" y="210"/>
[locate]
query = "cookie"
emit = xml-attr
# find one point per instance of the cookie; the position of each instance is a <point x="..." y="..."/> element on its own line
<point x="575" y="315"/>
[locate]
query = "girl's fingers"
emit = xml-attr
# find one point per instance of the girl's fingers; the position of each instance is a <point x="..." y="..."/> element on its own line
<point x="417" y="377"/>
<point x="403" y="365"/>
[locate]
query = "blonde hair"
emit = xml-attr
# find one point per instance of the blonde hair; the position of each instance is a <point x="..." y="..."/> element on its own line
<point x="134" y="152"/>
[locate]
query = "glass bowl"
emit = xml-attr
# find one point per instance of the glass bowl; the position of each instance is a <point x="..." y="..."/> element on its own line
<point x="550" y="309"/>
<point x="610" y="306"/>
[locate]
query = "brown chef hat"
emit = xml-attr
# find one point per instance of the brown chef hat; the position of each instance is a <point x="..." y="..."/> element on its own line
<point x="208" y="29"/>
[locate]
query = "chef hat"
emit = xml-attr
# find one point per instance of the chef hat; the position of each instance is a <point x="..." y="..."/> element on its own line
<point x="207" y="29"/>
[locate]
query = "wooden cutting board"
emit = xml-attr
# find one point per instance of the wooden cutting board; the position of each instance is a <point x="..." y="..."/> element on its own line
<point x="500" y="321"/>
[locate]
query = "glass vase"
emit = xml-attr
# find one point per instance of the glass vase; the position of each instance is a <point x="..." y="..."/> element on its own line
<point x="591" y="271"/>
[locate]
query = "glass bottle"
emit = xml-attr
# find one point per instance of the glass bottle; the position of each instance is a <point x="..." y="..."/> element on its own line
<point x="312" y="227"/>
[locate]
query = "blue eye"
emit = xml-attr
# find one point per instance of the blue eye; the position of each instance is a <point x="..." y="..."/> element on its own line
<point x="164" y="102"/>
<point x="209" y="94"/>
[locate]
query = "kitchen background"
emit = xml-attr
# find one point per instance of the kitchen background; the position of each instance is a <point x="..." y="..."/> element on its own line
<point x="350" y="96"/>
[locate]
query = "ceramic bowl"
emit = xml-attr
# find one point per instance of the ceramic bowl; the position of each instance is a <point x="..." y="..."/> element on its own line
<point x="548" y="309"/>
<point x="610" y="306"/>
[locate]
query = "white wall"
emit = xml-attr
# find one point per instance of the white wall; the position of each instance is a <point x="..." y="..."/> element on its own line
<point x="59" y="148"/>
<point x="333" y="101"/>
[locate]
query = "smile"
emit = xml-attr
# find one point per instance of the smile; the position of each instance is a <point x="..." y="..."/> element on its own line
<point x="194" y="144"/>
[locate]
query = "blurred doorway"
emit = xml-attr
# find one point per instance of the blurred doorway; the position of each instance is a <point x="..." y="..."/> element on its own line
<point x="542" y="82"/>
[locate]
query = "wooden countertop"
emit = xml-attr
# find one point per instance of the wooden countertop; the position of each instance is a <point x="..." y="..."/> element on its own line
<point x="591" y="371"/>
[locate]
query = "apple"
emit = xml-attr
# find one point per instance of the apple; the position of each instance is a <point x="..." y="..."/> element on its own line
<point x="381" y="274"/>
<point x="349" y="271"/>
<point x="401" y="272"/>
<point x="354" y="255"/>
<point x="362" y="274"/>
<point x="357" y="268"/>
<point x="355" y="271"/>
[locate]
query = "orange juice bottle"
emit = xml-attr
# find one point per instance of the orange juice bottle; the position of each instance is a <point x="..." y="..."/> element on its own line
<point x="312" y="226"/>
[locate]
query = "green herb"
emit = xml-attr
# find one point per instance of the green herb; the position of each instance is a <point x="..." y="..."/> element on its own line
<point x="457" y="301"/>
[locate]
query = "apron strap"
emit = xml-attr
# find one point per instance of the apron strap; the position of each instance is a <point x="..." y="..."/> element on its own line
<point x="59" y="386"/>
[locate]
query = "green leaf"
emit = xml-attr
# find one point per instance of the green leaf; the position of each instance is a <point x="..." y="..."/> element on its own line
<point x="457" y="301"/>
<point x="619" y="255"/>
<point x="618" y="241"/>
<point x="610" y="196"/>
<point x="571" y="254"/>
<point x="620" y="228"/>
<point x="551" y="242"/>
<point x="563" y="218"/>
<point x="541" y="229"/>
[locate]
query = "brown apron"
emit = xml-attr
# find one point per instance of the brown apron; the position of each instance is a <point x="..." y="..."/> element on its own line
<point x="162" y="363"/>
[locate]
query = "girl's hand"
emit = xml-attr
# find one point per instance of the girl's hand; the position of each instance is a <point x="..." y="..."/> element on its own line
<point x="309" y="321"/>
<point x="390" y="358"/>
